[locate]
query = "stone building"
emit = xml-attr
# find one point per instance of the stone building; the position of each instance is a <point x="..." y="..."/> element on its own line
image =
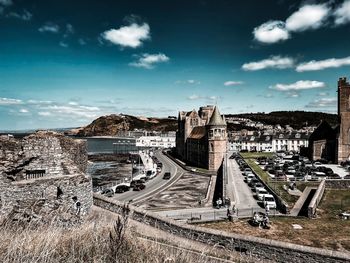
<point x="42" y="177"/>
<point x="201" y="138"/>
<point x="333" y="143"/>
<point x="344" y="120"/>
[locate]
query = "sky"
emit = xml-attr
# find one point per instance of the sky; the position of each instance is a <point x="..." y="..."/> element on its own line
<point x="64" y="63"/>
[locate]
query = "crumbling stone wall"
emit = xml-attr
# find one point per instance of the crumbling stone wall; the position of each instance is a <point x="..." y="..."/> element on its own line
<point x="63" y="192"/>
<point x="47" y="198"/>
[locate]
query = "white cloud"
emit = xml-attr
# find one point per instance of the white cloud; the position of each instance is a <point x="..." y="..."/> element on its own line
<point x="299" y="85"/>
<point x="44" y="113"/>
<point x="8" y="101"/>
<point x="6" y="2"/>
<point x="272" y="62"/>
<point x="323" y="94"/>
<point x="194" y="97"/>
<point x="149" y="61"/>
<point x="188" y="81"/>
<point x="324" y="102"/>
<point x="25" y="15"/>
<point x="308" y="17"/>
<point x="271" y="32"/>
<point x="128" y="36"/>
<point x="233" y="83"/>
<point x="323" y="64"/>
<point x="342" y="13"/>
<point x="23" y="111"/>
<point x="63" y="44"/>
<point x="49" y="27"/>
<point x="82" y="41"/>
<point x="192" y="81"/>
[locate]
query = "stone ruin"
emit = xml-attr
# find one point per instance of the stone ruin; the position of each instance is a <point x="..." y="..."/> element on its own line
<point x="43" y="179"/>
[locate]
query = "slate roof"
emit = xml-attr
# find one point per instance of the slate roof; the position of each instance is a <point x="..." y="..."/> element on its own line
<point x="198" y="132"/>
<point x="216" y="119"/>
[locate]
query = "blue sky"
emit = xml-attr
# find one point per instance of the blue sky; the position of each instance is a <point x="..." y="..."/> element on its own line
<point x="64" y="63"/>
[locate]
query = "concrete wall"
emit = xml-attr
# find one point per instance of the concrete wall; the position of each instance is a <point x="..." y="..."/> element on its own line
<point x="311" y="210"/>
<point x="265" y="249"/>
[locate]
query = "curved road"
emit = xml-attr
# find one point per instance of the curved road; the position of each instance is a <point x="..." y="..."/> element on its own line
<point x="155" y="185"/>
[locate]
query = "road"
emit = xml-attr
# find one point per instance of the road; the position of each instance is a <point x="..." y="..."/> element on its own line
<point x="243" y="195"/>
<point x="156" y="185"/>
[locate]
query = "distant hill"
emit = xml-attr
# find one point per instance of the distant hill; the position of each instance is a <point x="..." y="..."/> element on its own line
<point x="112" y="124"/>
<point x="296" y="119"/>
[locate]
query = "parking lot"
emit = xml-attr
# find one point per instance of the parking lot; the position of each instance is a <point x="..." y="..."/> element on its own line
<point x="296" y="168"/>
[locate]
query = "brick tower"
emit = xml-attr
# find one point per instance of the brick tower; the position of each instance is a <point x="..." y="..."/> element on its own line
<point x="344" y="119"/>
<point x="217" y="140"/>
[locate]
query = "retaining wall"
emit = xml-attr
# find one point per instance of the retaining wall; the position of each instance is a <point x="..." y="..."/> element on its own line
<point x="265" y="249"/>
<point x="311" y="210"/>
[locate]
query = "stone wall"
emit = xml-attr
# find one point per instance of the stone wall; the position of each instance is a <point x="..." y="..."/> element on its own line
<point x="47" y="198"/>
<point x="44" y="178"/>
<point x="338" y="184"/>
<point x="265" y="249"/>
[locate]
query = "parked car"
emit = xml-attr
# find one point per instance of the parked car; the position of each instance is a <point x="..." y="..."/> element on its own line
<point x="136" y="182"/>
<point x="108" y="192"/>
<point x="269" y="200"/>
<point x="261" y="193"/>
<point x="250" y="177"/>
<point x="246" y="171"/>
<point x="167" y="175"/>
<point x="122" y="188"/>
<point x="139" y="187"/>
<point x="258" y="185"/>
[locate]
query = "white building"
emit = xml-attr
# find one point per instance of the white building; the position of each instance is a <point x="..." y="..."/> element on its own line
<point x="156" y="141"/>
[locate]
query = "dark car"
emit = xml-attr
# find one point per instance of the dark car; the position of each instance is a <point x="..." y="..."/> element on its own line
<point x="122" y="188"/>
<point x="136" y="182"/>
<point x="139" y="187"/>
<point x="108" y="192"/>
<point x="167" y="175"/>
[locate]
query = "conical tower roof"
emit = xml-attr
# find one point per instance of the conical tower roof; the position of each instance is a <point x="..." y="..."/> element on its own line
<point x="216" y="119"/>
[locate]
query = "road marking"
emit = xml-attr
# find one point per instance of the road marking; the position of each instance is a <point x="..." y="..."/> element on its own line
<point x="165" y="186"/>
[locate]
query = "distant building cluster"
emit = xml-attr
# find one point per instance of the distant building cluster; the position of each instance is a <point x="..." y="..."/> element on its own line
<point x="201" y="139"/>
<point x="156" y="141"/>
<point x="265" y="142"/>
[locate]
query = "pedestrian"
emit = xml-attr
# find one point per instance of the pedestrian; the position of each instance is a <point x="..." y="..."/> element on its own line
<point x="267" y="210"/>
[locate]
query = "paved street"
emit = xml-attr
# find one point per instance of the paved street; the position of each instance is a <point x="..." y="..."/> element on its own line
<point x="243" y="195"/>
<point x="155" y="185"/>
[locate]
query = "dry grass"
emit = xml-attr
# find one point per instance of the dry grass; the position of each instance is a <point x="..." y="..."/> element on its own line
<point x="328" y="230"/>
<point x="104" y="237"/>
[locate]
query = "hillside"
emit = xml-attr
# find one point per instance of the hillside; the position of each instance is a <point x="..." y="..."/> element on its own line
<point x="295" y="119"/>
<point x="112" y="124"/>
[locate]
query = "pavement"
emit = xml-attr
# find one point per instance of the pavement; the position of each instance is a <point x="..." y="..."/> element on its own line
<point x="243" y="195"/>
<point x="155" y="185"/>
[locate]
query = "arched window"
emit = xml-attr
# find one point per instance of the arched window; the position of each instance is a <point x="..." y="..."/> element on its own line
<point x="211" y="147"/>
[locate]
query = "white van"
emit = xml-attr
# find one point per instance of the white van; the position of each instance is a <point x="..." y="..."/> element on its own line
<point x="269" y="200"/>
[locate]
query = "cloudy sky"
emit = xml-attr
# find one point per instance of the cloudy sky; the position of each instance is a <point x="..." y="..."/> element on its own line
<point x="64" y="63"/>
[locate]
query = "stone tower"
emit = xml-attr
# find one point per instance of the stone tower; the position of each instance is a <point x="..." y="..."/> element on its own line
<point x="344" y="120"/>
<point x="217" y="139"/>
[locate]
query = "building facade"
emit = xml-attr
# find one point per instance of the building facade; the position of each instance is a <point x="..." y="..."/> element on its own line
<point x="156" y="141"/>
<point x="201" y="138"/>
